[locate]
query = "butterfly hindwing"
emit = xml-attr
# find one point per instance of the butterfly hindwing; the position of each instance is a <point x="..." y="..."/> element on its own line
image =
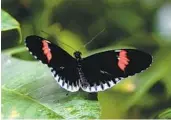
<point x="104" y="70"/>
<point x="62" y="65"/>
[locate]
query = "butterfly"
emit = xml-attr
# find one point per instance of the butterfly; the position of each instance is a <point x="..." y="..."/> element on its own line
<point x="94" y="73"/>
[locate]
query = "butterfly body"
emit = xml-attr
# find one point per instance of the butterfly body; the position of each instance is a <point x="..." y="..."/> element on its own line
<point x="94" y="73"/>
<point x="82" y="78"/>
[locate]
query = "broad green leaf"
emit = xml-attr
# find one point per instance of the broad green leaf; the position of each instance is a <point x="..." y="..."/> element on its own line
<point x="9" y="23"/>
<point x="16" y="105"/>
<point x="30" y="91"/>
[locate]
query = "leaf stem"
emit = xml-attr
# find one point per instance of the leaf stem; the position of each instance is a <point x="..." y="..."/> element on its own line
<point x="14" y="50"/>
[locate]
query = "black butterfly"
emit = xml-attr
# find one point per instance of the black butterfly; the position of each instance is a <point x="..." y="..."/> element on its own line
<point x="94" y="73"/>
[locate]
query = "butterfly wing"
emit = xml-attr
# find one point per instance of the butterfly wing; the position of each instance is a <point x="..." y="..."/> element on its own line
<point x="62" y="65"/>
<point x="104" y="70"/>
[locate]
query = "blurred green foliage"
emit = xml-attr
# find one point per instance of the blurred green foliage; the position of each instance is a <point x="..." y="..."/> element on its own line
<point x="128" y="24"/>
<point x="165" y="114"/>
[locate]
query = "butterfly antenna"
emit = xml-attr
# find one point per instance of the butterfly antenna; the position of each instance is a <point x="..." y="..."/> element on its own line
<point x="45" y="32"/>
<point x="60" y="41"/>
<point x="67" y="45"/>
<point x="93" y="38"/>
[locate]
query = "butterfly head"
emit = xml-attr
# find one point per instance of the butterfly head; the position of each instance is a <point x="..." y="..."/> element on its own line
<point x="77" y="55"/>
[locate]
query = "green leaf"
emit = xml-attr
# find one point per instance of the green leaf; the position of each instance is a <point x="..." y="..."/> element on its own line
<point x="9" y="23"/>
<point x="25" y="108"/>
<point x="30" y="91"/>
<point x="166" y="114"/>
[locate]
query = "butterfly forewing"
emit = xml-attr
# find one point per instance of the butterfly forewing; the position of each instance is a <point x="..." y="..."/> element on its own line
<point x="38" y="46"/>
<point x="62" y="65"/>
<point x="104" y="70"/>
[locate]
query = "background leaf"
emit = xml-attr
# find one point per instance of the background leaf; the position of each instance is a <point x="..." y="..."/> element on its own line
<point x="8" y="24"/>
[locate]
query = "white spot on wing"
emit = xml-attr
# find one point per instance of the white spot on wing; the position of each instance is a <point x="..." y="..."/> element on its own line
<point x="70" y="88"/>
<point x="87" y="89"/>
<point x="99" y="88"/>
<point x="60" y="82"/>
<point x="56" y="77"/>
<point x="54" y="72"/>
<point x="111" y="83"/>
<point x="74" y="88"/>
<point x="35" y="57"/>
<point x="117" y="80"/>
<point x="117" y="50"/>
<point x="47" y="41"/>
<point x="93" y="89"/>
<point x="51" y="68"/>
<point x="105" y="86"/>
<point x="65" y="85"/>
